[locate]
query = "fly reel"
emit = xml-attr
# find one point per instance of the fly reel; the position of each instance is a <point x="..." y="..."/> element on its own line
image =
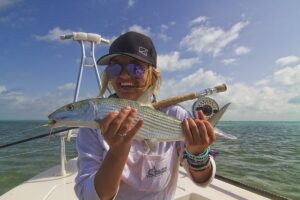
<point x="208" y="106"/>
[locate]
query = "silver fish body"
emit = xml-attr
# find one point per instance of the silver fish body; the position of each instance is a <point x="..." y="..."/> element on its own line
<point x="157" y="125"/>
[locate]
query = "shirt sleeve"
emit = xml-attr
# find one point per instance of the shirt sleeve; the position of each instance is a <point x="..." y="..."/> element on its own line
<point x="91" y="152"/>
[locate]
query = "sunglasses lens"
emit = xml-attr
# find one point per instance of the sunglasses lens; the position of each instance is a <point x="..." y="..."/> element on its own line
<point x="135" y="70"/>
<point x="113" y="70"/>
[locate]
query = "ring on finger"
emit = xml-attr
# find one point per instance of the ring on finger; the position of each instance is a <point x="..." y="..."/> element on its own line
<point x="122" y="134"/>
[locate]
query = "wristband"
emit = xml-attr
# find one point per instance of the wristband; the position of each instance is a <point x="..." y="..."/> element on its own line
<point x="198" y="162"/>
<point x="196" y="158"/>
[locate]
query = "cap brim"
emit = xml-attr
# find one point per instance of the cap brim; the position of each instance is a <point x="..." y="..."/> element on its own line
<point x="104" y="60"/>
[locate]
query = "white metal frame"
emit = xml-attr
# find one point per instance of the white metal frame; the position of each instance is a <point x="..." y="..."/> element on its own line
<point x="93" y="39"/>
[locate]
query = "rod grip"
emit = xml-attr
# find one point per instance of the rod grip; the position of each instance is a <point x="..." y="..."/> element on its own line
<point x="174" y="100"/>
<point x="221" y="88"/>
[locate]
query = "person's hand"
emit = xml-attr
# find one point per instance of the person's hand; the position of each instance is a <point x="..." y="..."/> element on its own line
<point x="118" y="128"/>
<point x="199" y="134"/>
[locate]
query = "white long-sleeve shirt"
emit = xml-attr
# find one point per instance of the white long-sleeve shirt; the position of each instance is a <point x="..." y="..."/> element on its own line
<point x="147" y="175"/>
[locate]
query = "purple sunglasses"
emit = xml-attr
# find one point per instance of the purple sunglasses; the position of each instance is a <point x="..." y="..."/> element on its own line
<point x="133" y="69"/>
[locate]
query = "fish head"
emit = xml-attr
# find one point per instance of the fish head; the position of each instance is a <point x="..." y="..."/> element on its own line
<point x="77" y="114"/>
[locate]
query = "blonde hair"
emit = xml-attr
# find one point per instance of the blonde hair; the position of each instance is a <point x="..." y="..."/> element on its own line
<point x="153" y="79"/>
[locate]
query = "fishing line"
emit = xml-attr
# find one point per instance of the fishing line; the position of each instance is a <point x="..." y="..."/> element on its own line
<point x="23" y="131"/>
<point x="36" y="137"/>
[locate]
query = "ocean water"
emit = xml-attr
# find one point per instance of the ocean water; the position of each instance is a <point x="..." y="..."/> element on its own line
<point x="266" y="155"/>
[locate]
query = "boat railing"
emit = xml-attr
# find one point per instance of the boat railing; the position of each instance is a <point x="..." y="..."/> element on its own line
<point x="62" y="147"/>
<point x="86" y="61"/>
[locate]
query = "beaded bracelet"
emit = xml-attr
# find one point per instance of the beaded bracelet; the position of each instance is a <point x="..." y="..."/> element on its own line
<point x="200" y="168"/>
<point x="198" y="162"/>
<point x="196" y="158"/>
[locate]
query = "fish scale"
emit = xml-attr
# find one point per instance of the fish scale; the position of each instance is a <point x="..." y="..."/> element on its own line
<point x="157" y="125"/>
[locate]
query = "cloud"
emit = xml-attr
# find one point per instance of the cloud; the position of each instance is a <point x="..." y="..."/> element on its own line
<point x="271" y="99"/>
<point x="2" y="89"/>
<point x="5" y="4"/>
<point x="229" y="61"/>
<point x="241" y="50"/>
<point x="205" y="39"/>
<point x="194" y="82"/>
<point x="67" y="86"/>
<point x="198" y="20"/>
<point x="140" y="29"/>
<point x="274" y="98"/>
<point x="130" y="3"/>
<point x="173" y="62"/>
<point x="17" y="105"/>
<point x="53" y="34"/>
<point x="163" y="29"/>
<point x="287" y="60"/>
<point x="288" y="76"/>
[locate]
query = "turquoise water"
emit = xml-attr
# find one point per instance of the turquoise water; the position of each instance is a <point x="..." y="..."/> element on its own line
<point x="265" y="155"/>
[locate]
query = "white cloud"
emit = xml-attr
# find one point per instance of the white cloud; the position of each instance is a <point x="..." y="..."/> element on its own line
<point x="287" y="60"/>
<point x="229" y="61"/>
<point x="198" y="20"/>
<point x="242" y="50"/>
<point x="4" y="4"/>
<point x="18" y="105"/>
<point x="211" y="40"/>
<point x="67" y="86"/>
<point x="140" y="29"/>
<point x="2" y="89"/>
<point x="53" y="34"/>
<point x="173" y="62"/>
<point x="288" y="76"/>
<point x="163" y="29"/>
<point x="131" y="3"/>
<point x="194" y="82"/>
<point x="274" y="98"/>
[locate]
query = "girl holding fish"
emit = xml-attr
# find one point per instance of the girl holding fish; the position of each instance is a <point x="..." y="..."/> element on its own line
<point x="112" y="164"/>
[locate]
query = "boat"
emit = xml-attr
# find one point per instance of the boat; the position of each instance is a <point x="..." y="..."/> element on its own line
<point x="51" y="185"/>
<point x="58" y="182"/>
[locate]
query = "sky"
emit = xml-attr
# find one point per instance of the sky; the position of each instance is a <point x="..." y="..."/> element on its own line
<point x="252" y="46"/>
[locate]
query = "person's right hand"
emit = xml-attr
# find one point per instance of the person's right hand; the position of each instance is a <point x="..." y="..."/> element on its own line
<point x="118" y="128"/>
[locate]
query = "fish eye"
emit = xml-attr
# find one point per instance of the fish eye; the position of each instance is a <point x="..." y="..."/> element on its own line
<point x="70" y="107"/>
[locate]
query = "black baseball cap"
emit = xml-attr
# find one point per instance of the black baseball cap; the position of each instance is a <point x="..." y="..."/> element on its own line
<point x="132" y="44"/>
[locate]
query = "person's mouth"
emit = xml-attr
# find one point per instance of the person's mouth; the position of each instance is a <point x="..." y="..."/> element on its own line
<point x="127" y="85"/>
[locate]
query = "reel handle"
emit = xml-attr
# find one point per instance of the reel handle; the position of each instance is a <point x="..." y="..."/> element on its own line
<point x="221" y="88"/>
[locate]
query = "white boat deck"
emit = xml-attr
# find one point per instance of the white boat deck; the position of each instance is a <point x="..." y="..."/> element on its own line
<point x="49" y="185"/>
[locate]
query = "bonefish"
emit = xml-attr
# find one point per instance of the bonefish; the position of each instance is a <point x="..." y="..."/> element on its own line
<point x="157" y="125"/>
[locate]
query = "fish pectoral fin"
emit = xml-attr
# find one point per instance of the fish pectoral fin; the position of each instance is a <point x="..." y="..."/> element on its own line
<point x="223" y="134"/>
<point x="216" y="117"/>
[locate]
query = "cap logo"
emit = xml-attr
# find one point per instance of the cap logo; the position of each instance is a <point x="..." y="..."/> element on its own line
<point x="143" y="51"/>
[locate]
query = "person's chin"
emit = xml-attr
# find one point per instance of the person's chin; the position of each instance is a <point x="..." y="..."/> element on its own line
<point x="128" y="94"/>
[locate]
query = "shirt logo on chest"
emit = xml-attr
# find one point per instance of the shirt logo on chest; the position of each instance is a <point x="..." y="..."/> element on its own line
<point x="156" y="172"/>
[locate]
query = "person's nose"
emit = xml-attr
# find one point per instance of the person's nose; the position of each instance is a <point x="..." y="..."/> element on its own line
<point x="124" y="72"/>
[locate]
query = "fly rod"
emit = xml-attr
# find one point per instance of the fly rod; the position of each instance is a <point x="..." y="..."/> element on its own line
<point x="189" y="96"/>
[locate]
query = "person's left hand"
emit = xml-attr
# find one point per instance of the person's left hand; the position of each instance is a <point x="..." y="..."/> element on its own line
<point x="199" y="134"/>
